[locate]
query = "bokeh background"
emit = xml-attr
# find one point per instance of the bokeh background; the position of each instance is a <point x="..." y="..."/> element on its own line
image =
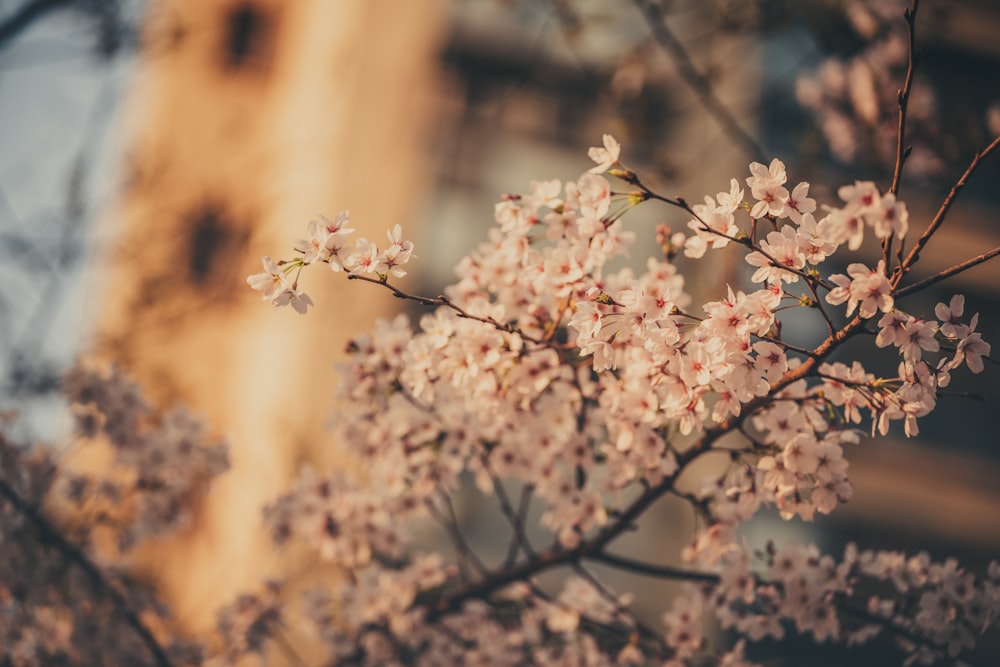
<point x="152" y="150"/>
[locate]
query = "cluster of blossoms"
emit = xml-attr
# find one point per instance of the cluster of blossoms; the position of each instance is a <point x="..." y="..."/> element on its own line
<point x="326" y="244"/>
<point x="160" y="465"/>
<point x="62" y="602"/>
<point x="566" y="391"/>
<point x="592" y="391"/>
<point x="563" y="389"/>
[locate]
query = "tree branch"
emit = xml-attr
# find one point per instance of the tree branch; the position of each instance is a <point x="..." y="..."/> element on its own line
<point x="947" y="273"/>
<point x="23" y="17"/>
<point x="97" y="578"/>
<point x="660" y="571"/>
<point x="698" y="82"/>
<point x="446" y="302"/>
<point x="939" y="217"/>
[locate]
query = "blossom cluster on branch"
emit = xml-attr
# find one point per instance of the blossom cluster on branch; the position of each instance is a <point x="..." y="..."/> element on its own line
<point x="577" y="396"/>
<point x="593" y="391"/>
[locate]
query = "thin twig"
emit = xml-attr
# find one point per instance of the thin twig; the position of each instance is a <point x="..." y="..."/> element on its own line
<point x="463" y="553"/>
<point x="446" y="302"/>
<point x="903" y="633"/>
<point x="625" y="520"/>
<point x="787" y="346"/>
<point x="947" y="273"/>
<point x="620" y="609"/>
<point x="679" y="202"/>
<point x="939" y="217"/>
<point x="903" y="95"/>
<point x="699" y="83"/>
<point x="818" y="304"/>
<point x="520" y="539"/>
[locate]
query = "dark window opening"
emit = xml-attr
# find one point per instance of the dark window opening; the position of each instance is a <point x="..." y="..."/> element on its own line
<point x="246" y="33"/>
<point x="211" y="237"/>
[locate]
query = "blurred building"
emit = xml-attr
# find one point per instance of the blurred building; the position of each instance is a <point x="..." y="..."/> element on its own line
<point x="246" y="119"/>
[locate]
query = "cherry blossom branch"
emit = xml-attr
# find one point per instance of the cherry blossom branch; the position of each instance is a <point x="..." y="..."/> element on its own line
<point x="620" y="313"/>
<point x="818" y="302"/>
<point x="446" y="302"/>
<point x="587" y="548"/>
<point x="947" y="273"/>
<point x="632" y="178"/>
<point x="585" y="620"/>
<point x="697" y="81"/>
<point x="787" y="346"/>
<point x="939" y="217"/>
<point x="74" y="555"/>
<point x="841" y="603"/>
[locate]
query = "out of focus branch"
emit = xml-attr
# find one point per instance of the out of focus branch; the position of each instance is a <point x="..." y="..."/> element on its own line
<point x="699" y="83"/>
<point x="26" y="15"/>
<point x="74" y="555"/>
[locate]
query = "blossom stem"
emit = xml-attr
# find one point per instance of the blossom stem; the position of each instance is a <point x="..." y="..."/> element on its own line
<point x="446" y="302"/>
<point x="520" y="540"/>
<point x="818" y="302"/>
<point x="463" y="553"/>
<point x="788" y="346"/>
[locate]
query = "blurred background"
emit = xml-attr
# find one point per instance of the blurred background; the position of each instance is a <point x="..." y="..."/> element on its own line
<point x="152" y="150"/>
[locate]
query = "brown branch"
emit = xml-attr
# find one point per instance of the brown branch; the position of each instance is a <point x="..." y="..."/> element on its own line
<point x="464" y="554"/>
<point x="698" y="82"/>
<point x="74" y="555"/>
<point x="659" y="571"/>
<point x="939" y="217"/>
<point x="625" y="520"/>
<point x="446" y="302"/>
<point x="673" y="573"/>
<point x="903" y="95"/>
<point x="818" y="303"/>
<point x="787" y="346"/>
<point x="902" y="632"/>
<point x="679" y="202"/>
<point x="947" y="273"/>
<point x="622" y="610"/>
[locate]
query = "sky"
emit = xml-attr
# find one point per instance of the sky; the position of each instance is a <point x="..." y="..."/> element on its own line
<point x="60" y="109"/>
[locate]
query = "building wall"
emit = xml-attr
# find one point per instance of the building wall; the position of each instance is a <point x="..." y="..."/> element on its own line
<point x="247" y="118"/>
